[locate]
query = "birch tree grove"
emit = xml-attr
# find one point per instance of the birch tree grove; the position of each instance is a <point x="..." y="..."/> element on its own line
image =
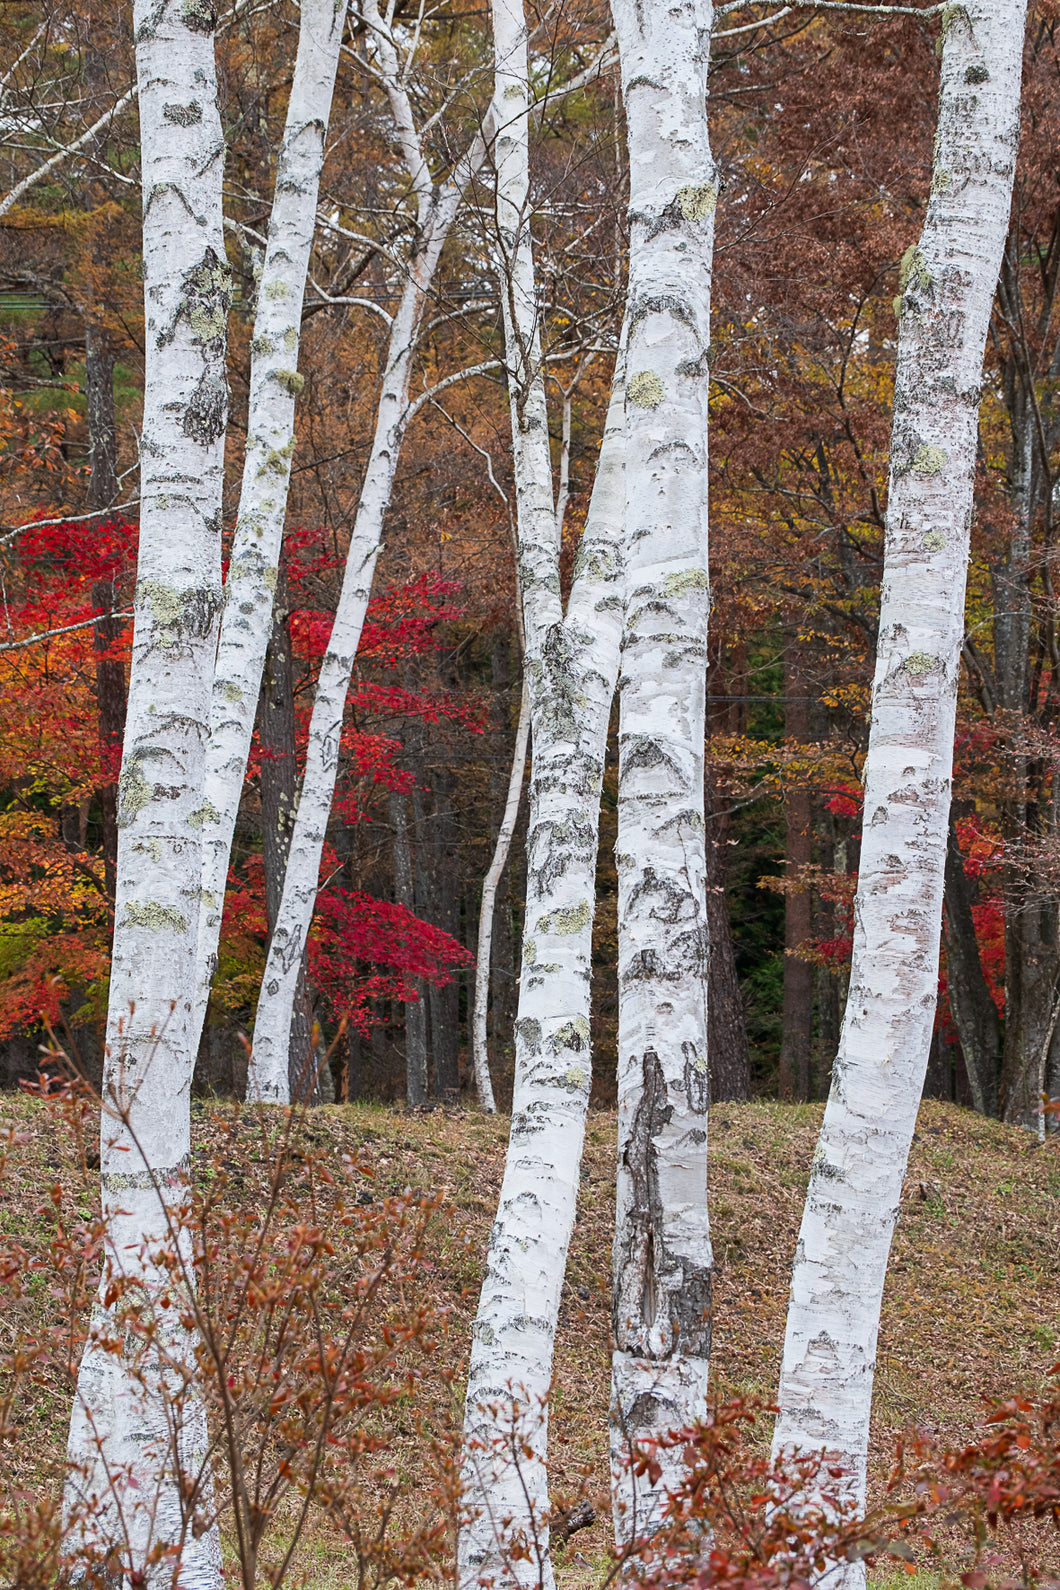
<point x="662" y="1252"/>
<point x="246" y="622"/>
<point x="571" y="667"/>
<point x="437" y="205"/>
<point x="123" y="1469"/>
<point x="947" y="286"/>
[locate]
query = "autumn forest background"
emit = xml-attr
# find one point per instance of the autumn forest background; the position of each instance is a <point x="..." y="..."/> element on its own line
<point x="822" y="129"/>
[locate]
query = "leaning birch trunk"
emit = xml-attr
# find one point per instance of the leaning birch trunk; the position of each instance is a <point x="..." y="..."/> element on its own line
<point x="571" y="667"/>
<point x="491" y="882"/>
<point x="437" y="210"/>
<point x="124" y="1469"/>
<point x="246" y="623"/>
<point x="663" y="1262"/>
<point x="947" y="286"/>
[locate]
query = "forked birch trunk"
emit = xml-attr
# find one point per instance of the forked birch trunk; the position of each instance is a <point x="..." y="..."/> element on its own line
<point x="947" y="287"/>
<point x="571" y="666"/>
<point x="138" y="1436"/>
<point x="437" y="209"/>
<point x="663" y="1262"/>
<point x="246" y="622"/>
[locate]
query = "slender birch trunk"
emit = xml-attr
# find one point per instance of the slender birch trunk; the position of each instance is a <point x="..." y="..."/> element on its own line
<point x="663" y="1262"/>
<point x="947" y="286"/>
<point x="571" y="667"/>
<point x="246" y="623"/>
<point x="437" y="209"/>
<point x="135" y="1438"/>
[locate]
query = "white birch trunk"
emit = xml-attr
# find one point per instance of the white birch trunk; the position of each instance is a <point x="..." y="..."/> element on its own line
<point x="947" y="288"/>
<point x="571" y="667"/>
<point x="437" y="210"/>
<point x="246" y="622"/>
<point x="662" y="1255"/>
<point x="121" y="1440"/>
<point x="491" y="882"/>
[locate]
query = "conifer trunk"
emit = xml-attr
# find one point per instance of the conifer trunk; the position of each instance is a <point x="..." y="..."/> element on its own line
<point x="947" y="287"/>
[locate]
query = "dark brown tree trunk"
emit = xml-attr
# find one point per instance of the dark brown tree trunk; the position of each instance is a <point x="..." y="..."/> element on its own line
<point x="445" y="913"/>
<point x="728" y="1053"/>
<point x="279" y="791"/>
<point x="971" y="1005"/>
<point x="797" y="1034"/>
<point x="415" y="1010"/>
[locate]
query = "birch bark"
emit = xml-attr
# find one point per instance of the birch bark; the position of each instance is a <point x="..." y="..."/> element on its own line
<point x="437" y="208"/>
<point x="571" y="666"/>
<point x="246" y="622"/>
<point x="947" y="286"/>
<point x="131" y="1446"/>
<point x="662" y="1254"/>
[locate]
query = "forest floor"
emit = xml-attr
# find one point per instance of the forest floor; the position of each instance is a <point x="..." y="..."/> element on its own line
<point x="971" y="1311"/>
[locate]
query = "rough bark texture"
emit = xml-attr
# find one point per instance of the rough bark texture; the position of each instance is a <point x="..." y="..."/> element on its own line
<point x="662" y="1254"/>
<point x="947" y="286"/>
<point x="274" y="385"/>
<point x="120" y="1425"/>
<point x="571" y="667"/>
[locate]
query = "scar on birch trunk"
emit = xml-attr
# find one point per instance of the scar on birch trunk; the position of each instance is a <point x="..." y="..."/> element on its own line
<point x="649" y="1269"/>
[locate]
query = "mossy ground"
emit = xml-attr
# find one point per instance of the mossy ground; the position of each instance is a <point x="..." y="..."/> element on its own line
<point x="971" y="1310"/>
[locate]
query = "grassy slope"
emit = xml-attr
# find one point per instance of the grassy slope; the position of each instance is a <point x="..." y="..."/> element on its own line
<point x="972" y="1308"/>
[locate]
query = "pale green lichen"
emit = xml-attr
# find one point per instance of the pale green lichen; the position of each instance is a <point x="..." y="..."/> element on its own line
<point x="571" y="919"/>
<point x="290" y="380"/>
<point x="686" y="580"/>
<point x="207" y="813"/>
<point x="183" y="115"/>
<point x="163" y="502"/>
<point x="276" y="289"/>
<point x="941" y="180"/>
<point x="645" y="390"/>
<point x="513" y="91"/>
<point x="261" y="347"/>
<point x="290" y="338"/>
<point x="934" y="541"/>
<point x="232" y="692"/>
<point x="697" y="201"/>
<point x="270" y="576"/>
<point x="913" y="271"/>
<point x="530" y="951"/>
<point x="156" y="918"/>
<point x="919" y="662"/>
<point x="929" y="460"/>
<point x="572" y="1035"/>
<point x="167" y="605"/>
<point x="699" y="1065"/>
<point x="134" y="792"/>
<point x="198" y="15"/>
<point x="149" y="847"/>
<point x="575" y="1077"/>
<point x="277" y="459"/>
<point x="209" y="899"/>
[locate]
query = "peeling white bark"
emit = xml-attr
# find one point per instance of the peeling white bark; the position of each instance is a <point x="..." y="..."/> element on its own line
<point x="437" y="208"/>
<point x="121" y="1443"/>
<point x="662" y="1255"/>
<point x="246" y="622"/>
<point x="571" y="668"/>
<point x="947" y="290"/>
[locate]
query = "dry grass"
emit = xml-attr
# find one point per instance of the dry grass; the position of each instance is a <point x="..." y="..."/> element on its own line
<point x="972" y="1307"/>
